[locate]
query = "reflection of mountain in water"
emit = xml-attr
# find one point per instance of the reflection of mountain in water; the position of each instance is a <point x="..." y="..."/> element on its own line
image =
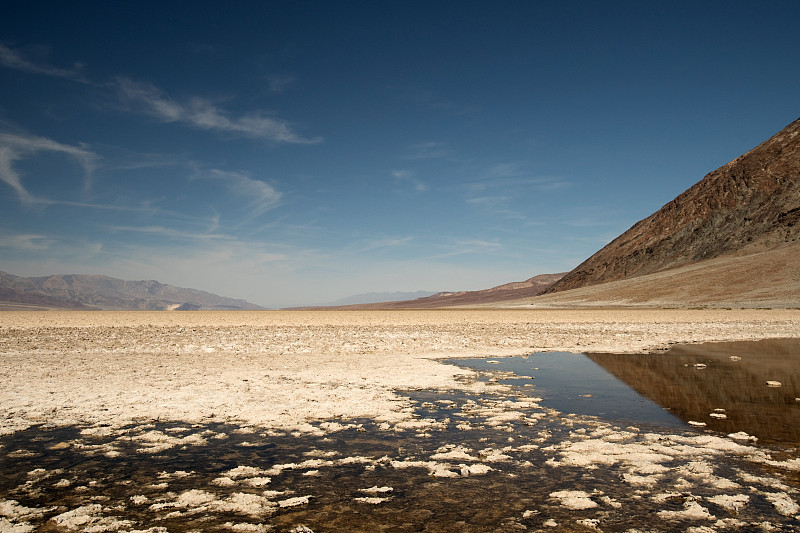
<point x="734" y="379"/>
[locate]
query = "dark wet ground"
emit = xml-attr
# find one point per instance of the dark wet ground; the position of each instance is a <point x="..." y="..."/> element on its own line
<point x="495" y="462"/>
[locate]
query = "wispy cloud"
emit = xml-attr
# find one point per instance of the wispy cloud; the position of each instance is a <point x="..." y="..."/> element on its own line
<point x="464" y="247"/>
<point x="203" y="114"/>
<point x="409" y="177"/>
<point x="163" y="231"/>
<point x="13" y="59"/>
<point x="258" y="195"/>
<point x="14" y="147"/>
<point x="429" y="99"/>
<point x="25" y="241"/>
<point x="386" y="242"/>
<point x="278" y="83"/>
<point x="513" y="176"/>
<point x="428" y="150"/>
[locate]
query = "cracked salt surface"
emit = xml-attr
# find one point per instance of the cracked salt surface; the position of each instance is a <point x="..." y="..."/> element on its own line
<point x="536" y="469"/>
<point x="294" y="422"/>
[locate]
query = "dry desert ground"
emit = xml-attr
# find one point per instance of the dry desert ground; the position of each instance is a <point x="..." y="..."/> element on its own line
<point x="378" y="430"/>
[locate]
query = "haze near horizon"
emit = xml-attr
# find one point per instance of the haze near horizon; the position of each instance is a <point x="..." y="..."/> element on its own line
<point x="296" y="153"/>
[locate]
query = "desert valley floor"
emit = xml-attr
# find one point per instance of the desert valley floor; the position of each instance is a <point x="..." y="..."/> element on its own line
<point x="351" y="421"/>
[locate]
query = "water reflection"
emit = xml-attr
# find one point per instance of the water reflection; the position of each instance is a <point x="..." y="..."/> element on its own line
<point x="573" y="383"/>
<point x="729" y="387"/>
<point x="748" y="387"/>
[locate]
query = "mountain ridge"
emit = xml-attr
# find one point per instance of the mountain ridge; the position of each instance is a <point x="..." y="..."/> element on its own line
<point x="85" y="291"/>
<point x="501" y="293"/>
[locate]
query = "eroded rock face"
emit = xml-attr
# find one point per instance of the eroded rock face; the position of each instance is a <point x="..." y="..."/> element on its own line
<point x="752" y="202"/>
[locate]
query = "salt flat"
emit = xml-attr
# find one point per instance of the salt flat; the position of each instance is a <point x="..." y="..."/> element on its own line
<point x="114" y="367"/>
<point x="346" y="420"/>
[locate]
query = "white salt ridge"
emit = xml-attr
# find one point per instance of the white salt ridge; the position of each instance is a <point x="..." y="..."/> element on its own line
<point x="574" y="499"/>
<point x="199" y="501"/>
<point x="691" y="511"/>
<point x="443" y="470"/>
<point x="474" y="469"/>
<point x="733" y="503"/>
<point x="783" y="503"/>
<point x="453" y="453"/>
<point x="88" y="518"/>
<point x="294" y="502"/>
<point x="7" y="526"/>
<point x="247" y="528"/>
<point x="377" y="490"/>
<point x="12" y="509"/>
<point x="741" y="435"/>
<point x="245" y="471"/>
<point x="156" y="441"/>
<point x="372" y="500"/>
<point x="178" y="474"/>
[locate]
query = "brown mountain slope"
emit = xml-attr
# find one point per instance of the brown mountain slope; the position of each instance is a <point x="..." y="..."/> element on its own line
<point x="501" y="293"/>
<point x="768" y="278"/>
<point x="750" y="204"/>
<point x="15" y="299"/>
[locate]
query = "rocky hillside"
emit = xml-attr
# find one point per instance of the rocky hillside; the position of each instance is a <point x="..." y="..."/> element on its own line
<point x="82" y="291"/>
<point x="749" y="205"/>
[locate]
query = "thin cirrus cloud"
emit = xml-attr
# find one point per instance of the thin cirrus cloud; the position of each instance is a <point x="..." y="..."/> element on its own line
<point x="15" y="60"/>
<point x="388" y="242"/>
<point x="196" y="112"/>
<point x="14" y="147"/>
<point x="203" y="114"/>
<point x="409" y="177"/>
<point x="261" y="196"/>
<point x="428" y="150"/>
<point x="25" y="242"/>
<point x="163" y="231"/>
<point x="464" y="247"/>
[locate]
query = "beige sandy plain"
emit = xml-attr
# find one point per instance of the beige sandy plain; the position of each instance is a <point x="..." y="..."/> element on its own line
<point x="284" y="369"/>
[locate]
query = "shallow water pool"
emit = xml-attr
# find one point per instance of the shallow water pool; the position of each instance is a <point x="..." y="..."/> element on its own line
<point x="573" y="383"/>
<point x="732" y="387"/>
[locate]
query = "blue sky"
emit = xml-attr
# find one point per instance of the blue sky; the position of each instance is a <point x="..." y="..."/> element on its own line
<point x="294" y="153"/>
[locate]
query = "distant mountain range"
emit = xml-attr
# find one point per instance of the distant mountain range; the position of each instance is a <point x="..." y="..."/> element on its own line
<point x="501" y="293"/>
<point x="84" y="292"/>
<point x="375" y="297"/>
<point x="732" y="239"/>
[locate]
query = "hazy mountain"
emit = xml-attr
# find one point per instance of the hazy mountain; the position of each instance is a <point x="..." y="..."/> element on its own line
<point x="374" y="297"/>
<point x="81" y="291"/>
<point x="747" y="211"/>
<point x="501" y="293"/>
